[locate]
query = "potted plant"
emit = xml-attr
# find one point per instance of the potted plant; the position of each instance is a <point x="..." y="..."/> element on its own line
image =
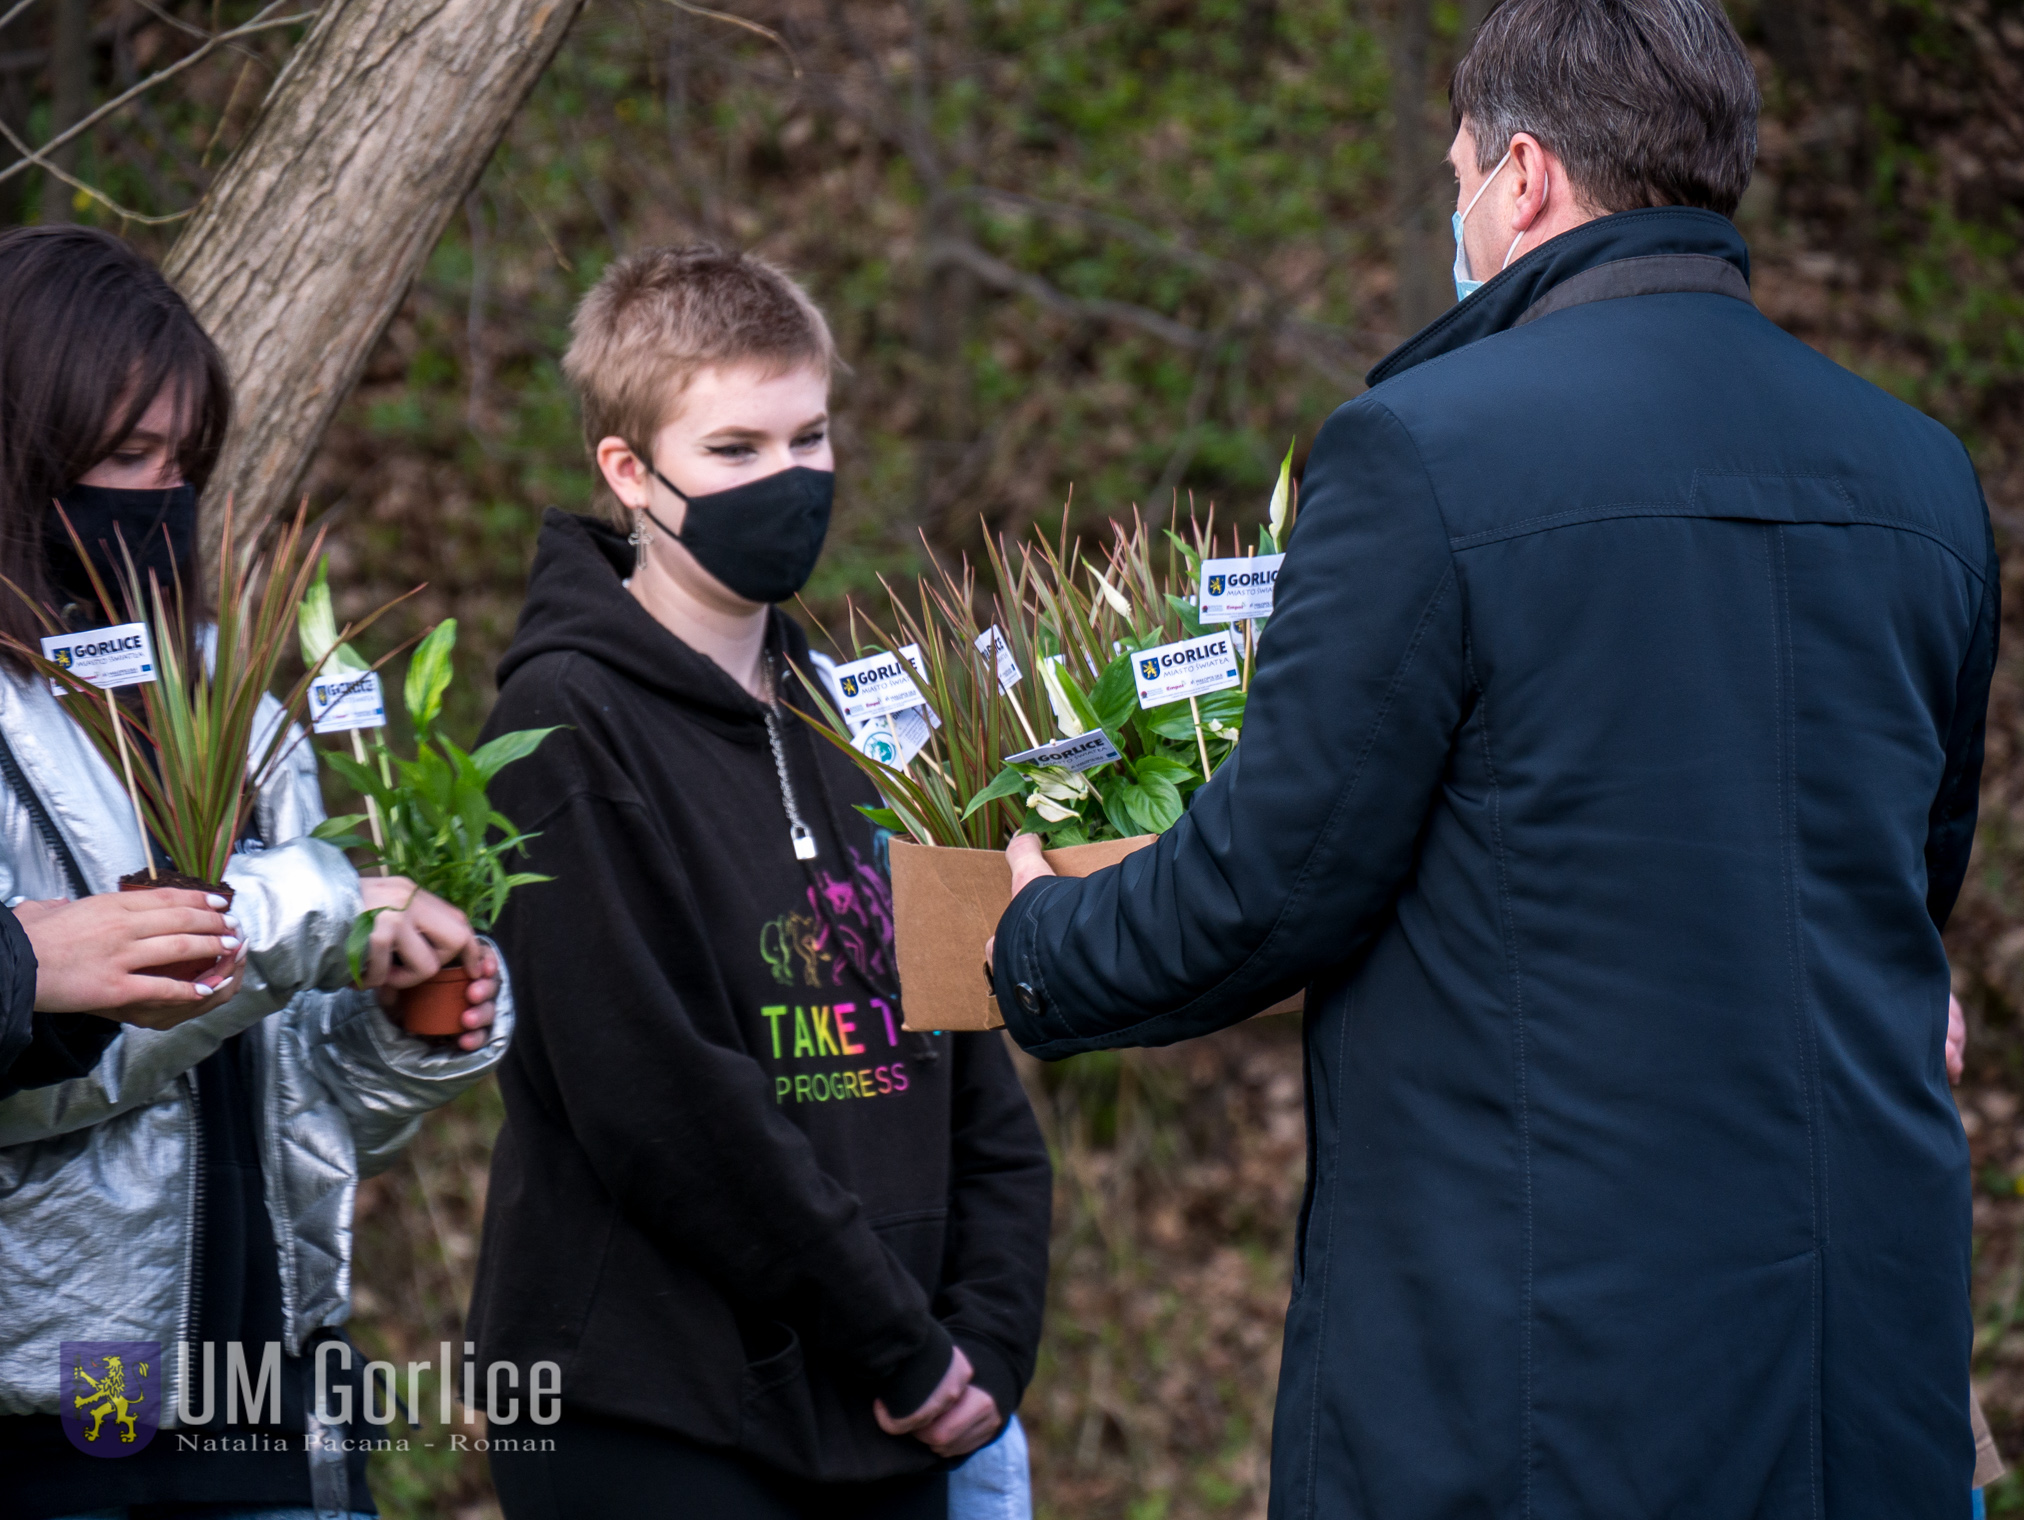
<point x="1082" y="755"/>
<point x="440" y="829"/>
<point x="199" y="713"/>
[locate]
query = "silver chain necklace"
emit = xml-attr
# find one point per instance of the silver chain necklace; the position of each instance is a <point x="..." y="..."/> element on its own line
<point x="797" y="831"/>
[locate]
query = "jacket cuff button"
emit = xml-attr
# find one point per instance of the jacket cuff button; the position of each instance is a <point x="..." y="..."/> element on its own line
<point x="1029" y="1000"/>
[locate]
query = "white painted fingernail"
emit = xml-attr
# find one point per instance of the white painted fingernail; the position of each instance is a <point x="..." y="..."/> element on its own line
<point x="207" y="991"/>
<point x="229" y="942"/>
<point x="213" y="900"/>
<point x="233" y="920"/>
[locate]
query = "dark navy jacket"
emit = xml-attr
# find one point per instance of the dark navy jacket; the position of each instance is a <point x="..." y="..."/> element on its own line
<point x="1609" y="771"/>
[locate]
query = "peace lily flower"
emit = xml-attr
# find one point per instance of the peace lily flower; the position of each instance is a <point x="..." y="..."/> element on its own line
<point x="1056" y="791"/>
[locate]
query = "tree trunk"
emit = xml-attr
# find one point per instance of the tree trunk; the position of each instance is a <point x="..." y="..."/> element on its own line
<point x="69" y="96"/>
<point x="375" y="132"/>
<point x="1414" y="160"/>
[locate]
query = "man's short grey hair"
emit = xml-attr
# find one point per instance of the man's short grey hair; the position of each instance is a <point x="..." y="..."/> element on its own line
<point x="1647" y="102"/>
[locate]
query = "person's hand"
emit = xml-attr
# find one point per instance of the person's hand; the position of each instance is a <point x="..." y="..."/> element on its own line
<point x="416" y="935"/>
<point x="484" y="988"/>
<point x="944" y="1399"/>
<point x="1029" y="864"/>
<point x="1957" y="1039"/>
<point x="1029" y="861"/>
<point x="93" y="955"/>
<point x="972" y="1421"/>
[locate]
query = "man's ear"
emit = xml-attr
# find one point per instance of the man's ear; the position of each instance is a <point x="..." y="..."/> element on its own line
<point x="623" y="472"/>
<point x="1534" y="174"/>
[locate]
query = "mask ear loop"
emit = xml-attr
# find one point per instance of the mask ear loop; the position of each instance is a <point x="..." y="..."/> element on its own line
<point x="654" y="470"/>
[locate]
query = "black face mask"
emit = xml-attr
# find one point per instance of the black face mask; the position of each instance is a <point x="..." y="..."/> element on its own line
<point x="159" y="529"/>
<point x="760" y="539"/>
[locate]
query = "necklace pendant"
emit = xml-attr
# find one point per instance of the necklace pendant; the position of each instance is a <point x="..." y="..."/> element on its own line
<point x="804" y="842"/>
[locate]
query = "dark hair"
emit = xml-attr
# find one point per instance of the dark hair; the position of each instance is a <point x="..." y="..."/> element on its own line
<point x="90" y="334"/>
<point x="1647" y="102"/>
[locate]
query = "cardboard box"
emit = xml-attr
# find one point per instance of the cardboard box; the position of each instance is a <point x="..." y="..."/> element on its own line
<point x="947" y="902"/>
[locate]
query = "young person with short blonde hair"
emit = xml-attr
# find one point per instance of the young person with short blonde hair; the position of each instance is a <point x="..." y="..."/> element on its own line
<point x="790" y="1256"/>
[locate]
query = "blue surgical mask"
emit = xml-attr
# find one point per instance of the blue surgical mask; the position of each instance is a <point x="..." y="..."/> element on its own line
<point x="1464" y="285"/>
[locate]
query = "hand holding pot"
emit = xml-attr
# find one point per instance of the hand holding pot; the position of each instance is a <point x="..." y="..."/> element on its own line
<point x="95" y="955"/>
<point x="418" y="936"/>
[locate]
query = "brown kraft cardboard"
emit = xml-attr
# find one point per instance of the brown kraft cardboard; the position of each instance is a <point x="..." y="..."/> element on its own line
<point x="947" y="902"/>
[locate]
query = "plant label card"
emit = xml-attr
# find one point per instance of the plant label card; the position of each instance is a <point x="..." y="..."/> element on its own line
<point x="1236" y="590"/>
<point x="894" y="739"/>
<point x="339" y="703"/>
<point x="121" y="655"/>
<point x="991" y="641"/>
<point x="876" y="685"/>
<point x="1191" y="668"/>
<point x="1084" y="753"/>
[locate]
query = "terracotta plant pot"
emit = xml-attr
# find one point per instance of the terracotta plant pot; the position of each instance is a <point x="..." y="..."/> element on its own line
<point x="436" y="1007"/>
<point x="140" y="881"/>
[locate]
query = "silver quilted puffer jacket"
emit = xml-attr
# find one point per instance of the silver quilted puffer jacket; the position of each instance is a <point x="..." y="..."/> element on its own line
<point x="99" y="1176"/>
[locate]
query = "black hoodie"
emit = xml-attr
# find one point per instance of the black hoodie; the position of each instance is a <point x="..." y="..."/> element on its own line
<point x="733" y="1198"/>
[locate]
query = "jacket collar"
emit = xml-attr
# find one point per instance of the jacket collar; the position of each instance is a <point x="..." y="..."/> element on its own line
<point x="1504" y="300"/>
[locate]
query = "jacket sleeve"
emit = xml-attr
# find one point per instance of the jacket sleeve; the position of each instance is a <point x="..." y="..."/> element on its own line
<point x="37" y="1049"/>
<point x="294" y="904"/>
<point x="385" y="1080"/>
<point x="1287" y="862"/>
<point x="1950" y="830"/>
<point x="618" y="1031"/>
<point x="1001" y="1200"/>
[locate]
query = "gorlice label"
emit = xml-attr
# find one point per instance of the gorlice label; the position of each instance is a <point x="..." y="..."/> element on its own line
<point x="992" y="642"/>
<point x="894" y="739"/>
<point x="877" y="684"/>
<point x="338" y="703"/>
<point x="122" y="655"/>
<point x="1234" y="590"/>
<point x="1083" y="753"/>
<point x="1191" y="668"/>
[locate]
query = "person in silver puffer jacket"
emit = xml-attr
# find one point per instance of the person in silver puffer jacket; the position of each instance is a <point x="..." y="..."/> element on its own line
<point x="97" y="1206"/>
<point x="197" y="1185"/>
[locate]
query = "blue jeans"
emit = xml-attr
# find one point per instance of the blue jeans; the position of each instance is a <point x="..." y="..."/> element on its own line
<point x="995" y="1483"/>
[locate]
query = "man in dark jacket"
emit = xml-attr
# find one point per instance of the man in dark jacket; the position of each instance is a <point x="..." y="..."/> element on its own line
<point x="1609" y="772"/>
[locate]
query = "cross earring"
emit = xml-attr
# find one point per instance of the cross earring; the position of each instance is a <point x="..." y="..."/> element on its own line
<point x="641" y="535"/>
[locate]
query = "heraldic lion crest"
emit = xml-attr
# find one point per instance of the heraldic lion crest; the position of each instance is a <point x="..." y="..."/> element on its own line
<point x="112" y="1399"/>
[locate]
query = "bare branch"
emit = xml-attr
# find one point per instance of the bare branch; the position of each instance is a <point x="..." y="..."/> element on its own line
<point x="30" y="156"/>
<point x="1320" y="347"/>
<point x="1135" y="233"/>
<point x="264" y="22"/>
<point x="1000" y="275"/>
<point x="751" y="26"/>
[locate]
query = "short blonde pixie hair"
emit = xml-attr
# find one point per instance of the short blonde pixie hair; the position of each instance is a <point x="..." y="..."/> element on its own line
<point x="660" y="316"/>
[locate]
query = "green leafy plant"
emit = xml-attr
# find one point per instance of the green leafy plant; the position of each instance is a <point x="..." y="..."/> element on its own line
<point x="199" y="719"/>
<point x="1073" y="626"/>
<point x="441" y="830"/>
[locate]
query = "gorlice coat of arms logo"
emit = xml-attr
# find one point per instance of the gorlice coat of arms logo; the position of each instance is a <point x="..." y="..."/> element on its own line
<point x="112" y="1395"/>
